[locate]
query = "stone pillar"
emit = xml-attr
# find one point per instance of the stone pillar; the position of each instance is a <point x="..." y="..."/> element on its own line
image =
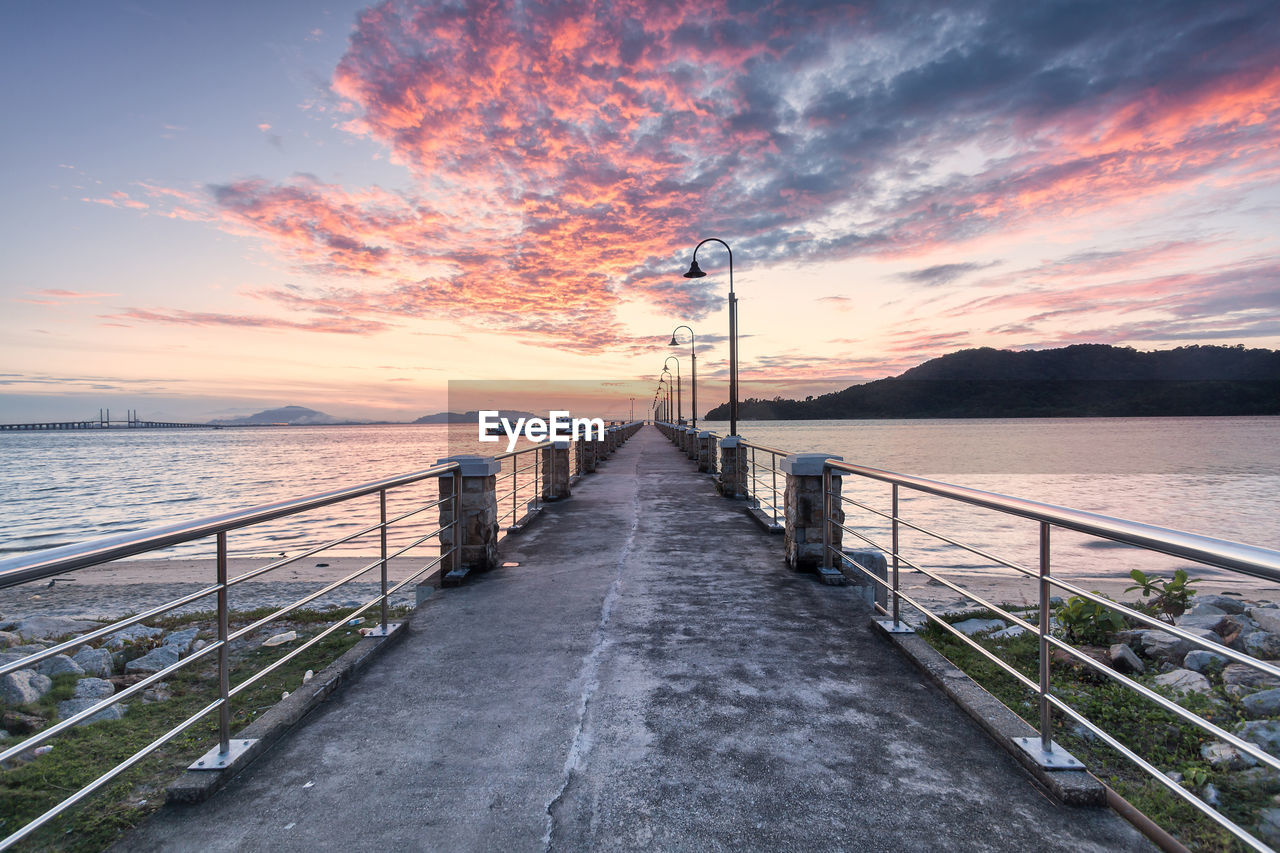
<point x="691" y="443"/>
<point x="733" y="467"/>
<point x="555" y="471"/>
<point x="478" y="524"/>
<point x="803" y="509"/>
<point x="589" y="451"/>
<point x="706" y="452"/>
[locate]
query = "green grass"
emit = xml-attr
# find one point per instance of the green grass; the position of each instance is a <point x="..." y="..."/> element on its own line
<point x="83" y="753"/>
<point x="1157" y="735"/>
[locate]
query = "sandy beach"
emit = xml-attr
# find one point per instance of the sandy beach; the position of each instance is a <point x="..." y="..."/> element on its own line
<point x="113" y="590"/>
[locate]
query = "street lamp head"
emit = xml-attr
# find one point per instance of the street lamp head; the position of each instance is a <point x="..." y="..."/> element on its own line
<point x="695" y="271"/>
<point x="673" y="340"/>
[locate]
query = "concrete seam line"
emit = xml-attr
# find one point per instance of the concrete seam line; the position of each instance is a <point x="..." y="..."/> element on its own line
<point x="588" y="674"/>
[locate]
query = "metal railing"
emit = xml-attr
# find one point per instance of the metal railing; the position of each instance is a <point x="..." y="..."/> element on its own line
<point x="762" y="479"/>
<point x="26" y="568"/>
<point x="1232" y="556"/>
<point x="528" y="462"/>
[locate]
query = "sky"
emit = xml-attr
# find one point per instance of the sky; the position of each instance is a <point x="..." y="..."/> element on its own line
<point x="209" y="209"/>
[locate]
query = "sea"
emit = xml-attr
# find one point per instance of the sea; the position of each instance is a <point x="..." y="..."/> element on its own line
<point x="1214" y="476"/>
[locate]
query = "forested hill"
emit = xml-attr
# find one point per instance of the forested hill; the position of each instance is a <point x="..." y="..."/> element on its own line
<point x="1085" y="380"/>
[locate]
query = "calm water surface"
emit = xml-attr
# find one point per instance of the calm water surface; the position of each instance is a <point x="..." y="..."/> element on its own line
<point x="1218" y="476"/>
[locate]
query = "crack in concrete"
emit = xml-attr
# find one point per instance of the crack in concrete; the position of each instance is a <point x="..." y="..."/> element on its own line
<point x="580" y="745"/>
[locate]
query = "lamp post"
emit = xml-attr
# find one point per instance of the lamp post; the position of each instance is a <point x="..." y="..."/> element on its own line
<point x="670" y="409"/>
<point x="679" y="402"/>
<point x="663" y="401"/>
<point x="696" y="272"/>
<point x="693" y="371"/>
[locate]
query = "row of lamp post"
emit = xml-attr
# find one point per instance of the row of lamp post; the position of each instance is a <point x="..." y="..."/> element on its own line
<point x="695" y="271"/>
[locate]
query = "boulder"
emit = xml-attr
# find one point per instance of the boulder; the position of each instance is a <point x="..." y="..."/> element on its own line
<point x="1264" y="733"/>
<point x="69" y="707"/>
<point x="1267" y="618"/>
<point x="8" y="638"/>
<point x="1262" y="644"/>
<point x="1225" y="603"/>
<point x="1160" y="645"/>
<point x="181" y="640"/>
<point x="1184" y="681"/>
<point x="976" y="626"/>
<point x="18" y="723"/>
<point x="1263" y="704"/>
<point x="1123" y="659"/>
<point x="1203" y="660"/>
<point x="133" y="634"/>
<point x="57" y="665"/>
<point x="94" y="688"/>
<point x="1209" y="621"/>
<point x="1269" y="826"/>
<point x="96" y="662"/>
<point x="153" y="661"/>
<point x="1240" y="679"/>
<point x="1224" y="756"/>
<point x="23" y="686"/>
<point x="1009" y="633"/>
<point x="49" y="627"/>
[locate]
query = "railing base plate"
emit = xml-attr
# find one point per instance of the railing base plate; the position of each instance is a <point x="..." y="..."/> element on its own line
<point x="379" y="632"/>
<point x="831" y="576"/>
<point x="889" y="628"/>
<point x="455" y="577"/>
<point x="215" y="759"/>
<point x="1056" y="758"/>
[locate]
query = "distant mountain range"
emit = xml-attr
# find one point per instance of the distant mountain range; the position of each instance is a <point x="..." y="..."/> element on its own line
<point x="468" y="417"/>
<point x="290" y="415"/>
<point x="1085" y="380"/>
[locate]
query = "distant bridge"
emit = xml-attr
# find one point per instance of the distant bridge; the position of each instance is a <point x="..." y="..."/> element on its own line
<point x="103" y="422"/>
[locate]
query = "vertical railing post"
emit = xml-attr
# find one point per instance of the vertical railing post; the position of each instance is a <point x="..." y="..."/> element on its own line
<point x="895" y="556"/>
<point x="382" y="511"/>
<point x="457" y="520"/>
<point x="1046" y="718"/>
<point x="515" y="488"/>
<point x="537" y="484"/>
<point x="826" y="517"/>
<point x="224" y="659"/>
<point x="773" y="464"/>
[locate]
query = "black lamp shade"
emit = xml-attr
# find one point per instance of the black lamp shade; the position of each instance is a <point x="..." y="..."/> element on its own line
<point x="673" y="340"/>
<point x="695" y="271"/>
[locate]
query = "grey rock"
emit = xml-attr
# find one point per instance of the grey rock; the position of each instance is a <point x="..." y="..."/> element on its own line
<point x="181" y="640"/>
<point x="1240" y="679"/>
<point x="1269" y="826"/>
<point x="1263" y="704"/>
<point x="1262" y="644"/>
<point x="1160" y="645"/>
<point x="7" y="658"/>
<point x="1224" y="756"/>
<point x="1123" y="659"/>
<point x="1009" y="633"/>
<point x="1211" y="795"/>
<point x="1184" y="681"/>
<point x="132" y="634"/>
<point x="94" y="688"/>
<point x="68" y="707"/>
<point x="1207" y="621"/>
<point x="57" y="665"/>
<point x="153" y="661"/>
<point x="1225" y="603"/>
<point x="24" y="685"/>
<point x="48" y="627"/>
<point x="1203" y="660"/>
<point x="95" y="662"/>
<point x="977" y="626"/>
<point x="8" y="638"/>
<point x="1264" y="733"/>
<point x="1268" y="618"/>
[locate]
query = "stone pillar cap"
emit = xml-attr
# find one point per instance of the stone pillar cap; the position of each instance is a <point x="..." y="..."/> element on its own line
<point x="704" y="434"/>
<point x="560" y="444"/>
<point x="470" y="465"/>
<point x="808" y="464"/>
<point x="731" y="441"/>
<point x="693" y="430"/>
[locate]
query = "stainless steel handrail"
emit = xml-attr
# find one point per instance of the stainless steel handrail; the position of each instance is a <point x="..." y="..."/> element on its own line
<point x="24" y="568"/>
<point x="1232" y="556"/>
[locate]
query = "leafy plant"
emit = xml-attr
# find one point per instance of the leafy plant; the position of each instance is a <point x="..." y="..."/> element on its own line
<point x="1088" y="622"/>
<point x="1169" y="598"/>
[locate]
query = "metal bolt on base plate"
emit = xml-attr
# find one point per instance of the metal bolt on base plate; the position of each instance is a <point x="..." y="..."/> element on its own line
<point x="1056" y="758"/>
<point x="215" y="759"/>
<point x="900" y="628"/>
<point x="378" y="632"/>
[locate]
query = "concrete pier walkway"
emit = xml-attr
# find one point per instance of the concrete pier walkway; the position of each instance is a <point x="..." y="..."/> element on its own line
<point x="649" y="677"/>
